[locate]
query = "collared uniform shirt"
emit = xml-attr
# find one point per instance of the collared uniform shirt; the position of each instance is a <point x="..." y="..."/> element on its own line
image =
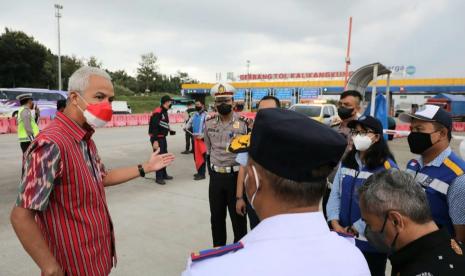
<point x="290" y="244"/>
<point x="218" y="136"/>
<point x="455" y="192"/>
<point x="435" y="254"/>
<point x="63" y="181"/>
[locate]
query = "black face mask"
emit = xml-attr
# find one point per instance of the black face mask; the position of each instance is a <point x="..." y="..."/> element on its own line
<point x="344" y="112"/>
<point x="377" y="239"/>
<point x="419" y="142"/>
<point x="198" y="108"/>
<point x="224" y="109"/>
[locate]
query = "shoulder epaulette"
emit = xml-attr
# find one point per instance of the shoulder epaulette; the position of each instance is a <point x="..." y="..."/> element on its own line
<point x="215" y="252"/>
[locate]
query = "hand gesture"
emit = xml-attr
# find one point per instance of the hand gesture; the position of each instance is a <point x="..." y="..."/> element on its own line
<point x="155" y="145"/>
<point x="159" y="161"/>
<point x="240" y="207"/>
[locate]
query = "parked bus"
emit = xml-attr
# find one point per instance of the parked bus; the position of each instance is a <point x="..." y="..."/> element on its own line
<point x="44" y="98"/>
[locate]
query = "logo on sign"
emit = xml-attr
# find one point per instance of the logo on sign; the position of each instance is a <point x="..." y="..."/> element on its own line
<point x="410" y="70"/>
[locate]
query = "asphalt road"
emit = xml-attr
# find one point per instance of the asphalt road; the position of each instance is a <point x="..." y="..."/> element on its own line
<point x="156" y="226"/>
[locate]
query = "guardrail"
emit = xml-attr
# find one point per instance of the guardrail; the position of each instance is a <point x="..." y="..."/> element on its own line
<point x="9" y="125"/>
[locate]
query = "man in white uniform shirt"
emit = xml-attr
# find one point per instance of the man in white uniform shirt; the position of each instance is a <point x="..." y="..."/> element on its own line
<point x="290" y="157"/>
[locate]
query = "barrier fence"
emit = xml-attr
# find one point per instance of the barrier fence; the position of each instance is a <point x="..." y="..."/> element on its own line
<point x="9" y="125"/>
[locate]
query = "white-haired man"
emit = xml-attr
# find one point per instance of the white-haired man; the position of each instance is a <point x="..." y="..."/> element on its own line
<point x="61" y="216"/>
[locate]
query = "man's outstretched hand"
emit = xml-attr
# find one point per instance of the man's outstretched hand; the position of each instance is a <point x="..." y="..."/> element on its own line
<point x="158" y="161"/>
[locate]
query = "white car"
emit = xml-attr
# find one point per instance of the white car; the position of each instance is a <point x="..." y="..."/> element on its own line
<point x="121" y="107"/>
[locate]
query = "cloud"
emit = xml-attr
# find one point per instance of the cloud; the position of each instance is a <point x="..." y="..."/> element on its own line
<point x="207" y="36"/>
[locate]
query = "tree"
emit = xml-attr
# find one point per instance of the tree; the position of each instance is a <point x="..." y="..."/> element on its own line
<point x="68" y="66"/>
<point x="94" y="62"/>
<point x="22" y="61"/>
<point x="147" y="71"/>
<point x="122" y="78"/>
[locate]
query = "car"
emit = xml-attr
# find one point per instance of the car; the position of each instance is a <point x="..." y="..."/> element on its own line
<point x="120" y="107"/>
<point x="179" y="105"/>
<point x="321" y="112"/>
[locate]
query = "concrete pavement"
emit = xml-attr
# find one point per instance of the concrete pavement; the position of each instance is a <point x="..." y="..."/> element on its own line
<point x="156" y="226"/>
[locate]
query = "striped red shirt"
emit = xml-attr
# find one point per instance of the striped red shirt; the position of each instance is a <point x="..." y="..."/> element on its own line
<point x="63" y="181"/>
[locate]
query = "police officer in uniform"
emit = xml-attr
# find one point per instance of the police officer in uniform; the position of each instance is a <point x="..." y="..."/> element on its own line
<point x="27" y="121"/>
<point x="395" y="209"/>
<point x="159" y="128"/>
<point x="223" y="167"/>
<point x="290" y="156"/>
<point x="439" y="170"/>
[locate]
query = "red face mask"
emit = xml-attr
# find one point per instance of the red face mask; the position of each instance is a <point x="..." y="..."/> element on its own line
<point x="98" y="114"/>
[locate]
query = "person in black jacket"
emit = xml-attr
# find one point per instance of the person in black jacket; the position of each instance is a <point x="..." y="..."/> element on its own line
<point x="159" y="128"/>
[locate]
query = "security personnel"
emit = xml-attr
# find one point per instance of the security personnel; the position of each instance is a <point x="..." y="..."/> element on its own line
<point x="439" y="170"/>
<point x="159" y="128"/>
<point x="27" y="126"/>
<point x="223" y="166"/>
<point x="407" y="232"/>
<point x="290" y="156"/>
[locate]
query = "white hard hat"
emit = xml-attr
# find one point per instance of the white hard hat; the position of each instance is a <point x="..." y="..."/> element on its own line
<point x="222" y="90"/>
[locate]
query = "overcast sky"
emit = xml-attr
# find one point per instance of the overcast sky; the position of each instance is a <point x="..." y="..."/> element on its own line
<point x="203" y="37"/>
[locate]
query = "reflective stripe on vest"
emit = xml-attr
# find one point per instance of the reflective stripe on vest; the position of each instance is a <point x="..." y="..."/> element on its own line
<point x="349" y="209"/>
<point x="436" y="181"/>
<point x="22" y="133"/>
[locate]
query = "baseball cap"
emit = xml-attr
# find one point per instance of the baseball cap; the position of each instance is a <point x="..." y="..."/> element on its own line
<point x="429" y="113"/>
<point x="367" y="122"/>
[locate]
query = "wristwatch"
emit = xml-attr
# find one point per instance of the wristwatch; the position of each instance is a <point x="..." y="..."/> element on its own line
<point x="141" y="170"/>
<point x="239" y="198"/>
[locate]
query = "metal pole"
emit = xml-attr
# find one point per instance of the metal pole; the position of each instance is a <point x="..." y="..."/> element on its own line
<point x="388" y="94"/>
<point x="346" y="76"/>
<point x="58" y="16"/>
<point x="373" y="90"/>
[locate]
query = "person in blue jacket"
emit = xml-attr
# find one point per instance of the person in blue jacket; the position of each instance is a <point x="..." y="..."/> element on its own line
<point x="369" y="155"/>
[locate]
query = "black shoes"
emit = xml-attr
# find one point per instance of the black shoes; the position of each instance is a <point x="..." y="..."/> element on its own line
<point x="160" y="181"/>
<point x="199" y="177"/>
<point x="186" y="152"/>
<point x="168" y="177"/>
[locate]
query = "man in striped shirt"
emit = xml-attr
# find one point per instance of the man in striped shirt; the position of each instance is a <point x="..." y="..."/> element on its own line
<point x="61" y="215"/>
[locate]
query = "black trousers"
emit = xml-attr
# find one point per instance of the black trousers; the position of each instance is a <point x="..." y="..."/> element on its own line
<point x="189" y="140"/>
<point x="161" y="174"/>
<point x="222" y="196"/>
<point x="202" y="169"/>
<point x="24" y="146"/>
<point x="253" y="218"/>
<point x="376" y="263"/>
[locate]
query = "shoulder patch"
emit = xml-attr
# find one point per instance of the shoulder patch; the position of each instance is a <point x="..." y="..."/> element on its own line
<point x="216" y="252"/>
<point x="157" y="110"/>
<point x="239" y="144"/>
<point x="454" y="167"/>
<point x="387" y="165"/>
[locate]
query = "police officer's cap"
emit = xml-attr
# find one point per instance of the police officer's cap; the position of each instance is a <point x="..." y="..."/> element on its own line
<point x="24" y="97"/>
<point x="291" y="145"/>
<point x="222" y="90"/>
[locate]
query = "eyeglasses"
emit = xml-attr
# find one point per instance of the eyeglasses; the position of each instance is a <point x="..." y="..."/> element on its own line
<point x="355" y="132"/>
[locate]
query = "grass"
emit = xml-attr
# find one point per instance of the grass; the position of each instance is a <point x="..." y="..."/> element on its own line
<point x="143" y="104"/>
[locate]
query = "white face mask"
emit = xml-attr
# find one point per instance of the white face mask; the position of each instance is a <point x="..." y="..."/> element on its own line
<point x="257" y="183"/>
<point x="362" y="143"/>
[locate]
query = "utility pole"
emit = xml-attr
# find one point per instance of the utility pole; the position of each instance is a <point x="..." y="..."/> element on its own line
<point x="58" y="16"/>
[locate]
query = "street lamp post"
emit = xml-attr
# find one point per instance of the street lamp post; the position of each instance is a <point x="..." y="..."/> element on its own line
<point x="58" y="16"/>
<point x="248" y="94"/>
